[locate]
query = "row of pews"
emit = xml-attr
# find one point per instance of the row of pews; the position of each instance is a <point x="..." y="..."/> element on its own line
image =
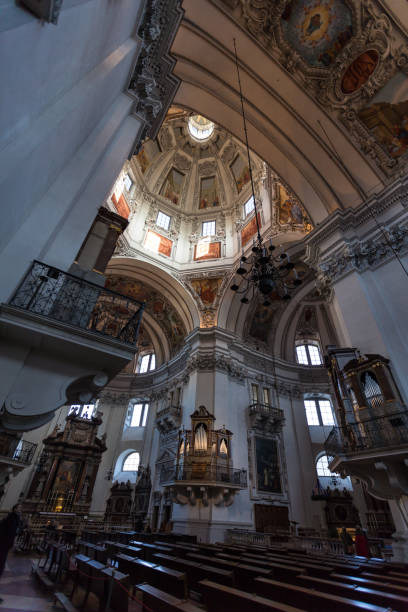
<point x="168" y="574"/>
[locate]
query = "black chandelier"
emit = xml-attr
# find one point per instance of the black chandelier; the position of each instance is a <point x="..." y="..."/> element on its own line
<point x="263" y="271"/>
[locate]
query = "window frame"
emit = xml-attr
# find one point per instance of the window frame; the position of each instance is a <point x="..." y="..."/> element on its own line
<point x="143" y="414"/>
<point x="305" y="345"/>
<point x="126" y="178"/>
<point x="152" y="358"/>
<point x="127" y="457"/>
<point x="316" y="401"/>
<point x="212" y="223"/>
<point x="248" y="212"/>
<point x="163" y="214"/>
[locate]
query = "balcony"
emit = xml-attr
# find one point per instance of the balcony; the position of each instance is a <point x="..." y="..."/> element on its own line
<point x="168" y="419"/>
<point x="65" y="338"/>
<point x="202" y="474"/>
<point x="378" y="433"/>
<point x="265" y="417"/>
<point x="14" y="451"/>
<point x="57" y="295"/>
<point x="374" y="450"/>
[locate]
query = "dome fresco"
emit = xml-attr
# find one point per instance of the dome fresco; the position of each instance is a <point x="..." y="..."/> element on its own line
<point x="191" y="200"/>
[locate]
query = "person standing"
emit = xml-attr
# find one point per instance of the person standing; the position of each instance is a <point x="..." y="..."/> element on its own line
<point x="347" y="541"/>
<point x="361" y="543"/>
<point x="8" y="531"/>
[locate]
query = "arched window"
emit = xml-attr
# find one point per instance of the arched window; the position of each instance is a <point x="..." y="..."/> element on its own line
<point x="322" y="466"/>
<point x="308" y="353"/>
<point x="319" y="411"/>
<point x="131" y="462"/>
<point x="147" y="363"/>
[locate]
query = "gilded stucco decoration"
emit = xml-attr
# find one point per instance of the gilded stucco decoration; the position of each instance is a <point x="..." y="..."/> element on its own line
<point x="351" y="56"/>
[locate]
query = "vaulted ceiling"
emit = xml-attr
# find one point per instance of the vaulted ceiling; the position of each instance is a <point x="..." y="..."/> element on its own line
<point x="324" y="83"/>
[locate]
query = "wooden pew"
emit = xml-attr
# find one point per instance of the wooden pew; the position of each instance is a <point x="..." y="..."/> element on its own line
<point x="379" y="585"/>
<point x="159" y="601"/>
<point x="385" y="577"/>
<point x="311" y="600"/>
<point x="196" y="570"/>
<point x="220" y="598"/>
<point x="362" y="593"/>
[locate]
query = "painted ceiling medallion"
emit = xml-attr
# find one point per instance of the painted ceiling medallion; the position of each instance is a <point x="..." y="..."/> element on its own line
<point x="359" y="71"/>
<point x="200" y="128"/>
<point x="317" y="29"/>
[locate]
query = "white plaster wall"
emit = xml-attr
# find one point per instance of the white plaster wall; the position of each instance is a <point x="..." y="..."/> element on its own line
<point x="64" y="135"/>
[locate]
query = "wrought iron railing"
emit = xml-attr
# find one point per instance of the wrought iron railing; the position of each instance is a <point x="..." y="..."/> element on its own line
<point x="203" y="473"/>
<point x="266" y="410"/>
<point x="60" y="296"/>
<point x="17" y="450"/>
<point x="383" y="431"/>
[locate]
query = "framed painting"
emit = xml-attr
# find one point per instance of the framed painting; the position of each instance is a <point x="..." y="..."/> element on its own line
<point x="267" y="465"/>
<point x="208" y="192"/>
<point x="207" y="250"/>
<point x="240" y="172"/>
<point x="173" y="185"/>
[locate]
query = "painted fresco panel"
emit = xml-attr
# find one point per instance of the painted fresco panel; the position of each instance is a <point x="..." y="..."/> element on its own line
<point x="147" y="153"/>
<point x="207" y="250"/>
<point x="208" y="192"/>
<point x="317" y="30"/>
<point x="291" y="211"/>
<point x="262" y="320"/>
<point x="121" y="206"/>
<point x="157" y="243"/>
<point x="359" y="71"/>
<point x="249" y="230"/>
<point x="240" y="172"/>
<point x="172" y="186"/>
<point x="386" y="117"/>
<point x="155" y="304"/>
<point x="206" y="289"/>
<point x="267" y="466"/>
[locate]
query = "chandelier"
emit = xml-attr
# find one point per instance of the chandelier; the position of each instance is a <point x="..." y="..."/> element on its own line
<point x="272" y="275"/>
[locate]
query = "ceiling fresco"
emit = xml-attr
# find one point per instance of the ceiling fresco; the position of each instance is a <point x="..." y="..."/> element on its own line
<point x="156" y="305"/>
<point x="317" y="30"/>
<point x="350" y="56"/>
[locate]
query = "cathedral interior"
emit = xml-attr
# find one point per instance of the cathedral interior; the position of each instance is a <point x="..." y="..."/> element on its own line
<point x="204" y="247"/>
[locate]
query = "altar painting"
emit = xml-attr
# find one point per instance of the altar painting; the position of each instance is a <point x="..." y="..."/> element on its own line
<point x="267" y="466"/>
<point x="208" y="192"/>
<point x="386" y="117"/>
<point x="67" y="476"/>
<point x="317" y="30"/>
<point x="240" y="172"/>
<point x="172" y="186"/>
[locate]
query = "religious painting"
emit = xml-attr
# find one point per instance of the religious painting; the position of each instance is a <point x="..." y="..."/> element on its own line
<point x="359" y="71"/>
<point x="157" y="243"/>
<point x="121" y="206"/>
<point x="267" y="466"/>
<point x="291" y="211"/>
<point x="317" y="30"/>
<point x="172" y="186"/>
<point x="67" y="476"/>
<point x="249" y="230"/>
<point x="240" y="172"/>
<point x="206" y="289"/>
<point x="147" y="153"/>
<point x="155" y="304"/>
<point x="207" y="250"/>
<point x="208" y="192"/>
<point x="386" y="116"/>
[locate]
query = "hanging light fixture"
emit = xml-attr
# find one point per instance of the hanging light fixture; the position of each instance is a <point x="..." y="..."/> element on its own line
<point x="262" y="271"/>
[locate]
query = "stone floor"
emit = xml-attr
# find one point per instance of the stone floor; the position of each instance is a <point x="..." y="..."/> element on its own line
<point x="19" y="590"/>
